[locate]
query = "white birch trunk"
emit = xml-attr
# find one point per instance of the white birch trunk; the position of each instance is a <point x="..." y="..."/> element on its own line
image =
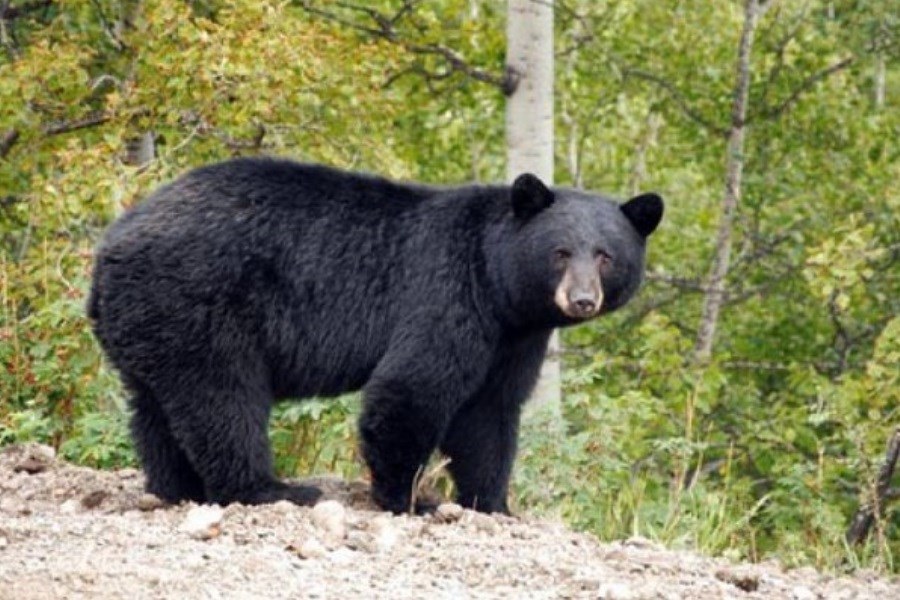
<point x="529" y="133"/>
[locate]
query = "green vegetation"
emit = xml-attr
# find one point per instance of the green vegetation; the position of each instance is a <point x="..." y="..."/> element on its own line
<point x="765" y="449"/>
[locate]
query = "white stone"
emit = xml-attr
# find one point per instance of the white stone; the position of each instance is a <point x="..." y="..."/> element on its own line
<point x="801" y="592"/>
<point x="202" y="522"/>
<point x="330" y="517"/>
<point x="449" y="512"/>
<point x="615" y="591"/>
<point x="69" y="507"/>
<point x="312" y="548"/>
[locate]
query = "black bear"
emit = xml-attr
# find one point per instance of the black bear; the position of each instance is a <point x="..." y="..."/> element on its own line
<point x="253" y="280"/>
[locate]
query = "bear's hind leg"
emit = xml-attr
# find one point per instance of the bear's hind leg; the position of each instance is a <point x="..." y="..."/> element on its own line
<point x="169" y="473"/>
<point x="223" y="428"/>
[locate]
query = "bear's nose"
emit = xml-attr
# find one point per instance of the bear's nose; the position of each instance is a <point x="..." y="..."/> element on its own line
<point x="585" y="305"/>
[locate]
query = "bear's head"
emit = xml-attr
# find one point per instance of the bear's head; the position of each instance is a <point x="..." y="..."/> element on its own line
<point x="576" y="255"/>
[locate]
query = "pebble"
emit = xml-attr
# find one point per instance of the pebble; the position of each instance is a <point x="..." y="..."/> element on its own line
<point x="615" y="591"/>
<point x="740" y="577"/>
<point x="31" y="466"/>
<point x="385" y="534"/>
<point x="148" y="502"/>
<point x="643" y="543"/>
<point x="343" y="556"/>
<point x="448" y="512"/>
<point x="801" y="592"/>
<point x="483" y="522"/>
<point x="203" y="522"/>
<point x="128" y="473"/>
<point x="312" y="548"/>
<point x="94" y="499"/>
<point x="10" y="506"/>
<point x="330" y="517"/>
<point x="36" y="459"/>
<point x="284" y="507"/>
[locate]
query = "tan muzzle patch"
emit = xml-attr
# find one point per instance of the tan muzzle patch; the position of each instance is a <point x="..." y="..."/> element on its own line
<point x="581" y="308"/>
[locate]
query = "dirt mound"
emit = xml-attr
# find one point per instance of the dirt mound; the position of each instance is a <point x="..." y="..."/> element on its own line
<point x="72" y="532"/>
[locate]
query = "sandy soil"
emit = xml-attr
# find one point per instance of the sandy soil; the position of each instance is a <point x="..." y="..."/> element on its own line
<point x="72" y="532"/>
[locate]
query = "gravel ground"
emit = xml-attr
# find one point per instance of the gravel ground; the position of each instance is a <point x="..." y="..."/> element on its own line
<point x="73" y="532"/>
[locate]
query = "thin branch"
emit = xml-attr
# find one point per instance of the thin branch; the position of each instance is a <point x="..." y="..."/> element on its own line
<point x="677" y="96"/>
<point x="456" y="61"/>
<point x="776" y="111"/>
<point x="683" y="283"/>
<point x="385" y="27"/>
<point x="67" y="126"/>
<point x="781" y="47"/>
<point x="108" y="29"/>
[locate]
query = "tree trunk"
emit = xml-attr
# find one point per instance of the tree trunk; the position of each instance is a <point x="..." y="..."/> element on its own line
<point x="529" y="131"/>
<point x="880" y="78"/>
<point x="715" y="287"/>
<point x="141" y="150"/>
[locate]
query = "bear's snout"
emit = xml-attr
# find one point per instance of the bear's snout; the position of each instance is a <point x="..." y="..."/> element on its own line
<point x="579" y="295"/>
<point x="584" y="304"/>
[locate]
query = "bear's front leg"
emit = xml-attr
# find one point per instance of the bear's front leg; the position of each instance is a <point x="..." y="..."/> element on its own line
<point x="409" y="403"/>
<point x="481" y="439"/>
<point x="399" y="430"/>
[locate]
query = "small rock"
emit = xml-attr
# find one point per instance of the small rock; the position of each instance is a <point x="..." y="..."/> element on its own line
<point x="36" y="459"/>
<point x="360" y="540"/>
<point x="30" y="465"/>
<point x="330" y="517"/>
<point x="448" y="512"/>
<point x="385" y="534"/>
<point x="483" y="522"/>
<point x="866" y="574"/>
<point x="127" y="473"/>
<point x="311" y="548"/>
<point x="284" y="507"/>
<point x="148" y="502"/>
<point x="343" y="556"/>
<point x="743" y="579"/>
<point x="615" y="591"/>
<point x="202" y="522"/>
<point x="643" y="543"/>
<point x="10" y="506"/>
<point x="69" y="507"/>
<point x="801" y="592"/>
<point x="94" y="499"/>
<point x="4" y="542"/>
<point x="522" y="532"/>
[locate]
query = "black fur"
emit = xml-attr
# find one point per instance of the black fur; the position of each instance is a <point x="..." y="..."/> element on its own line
<point x="259" y="279"/>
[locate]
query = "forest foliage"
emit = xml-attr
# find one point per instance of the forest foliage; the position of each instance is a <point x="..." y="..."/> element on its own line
<point x="766" y="449"/>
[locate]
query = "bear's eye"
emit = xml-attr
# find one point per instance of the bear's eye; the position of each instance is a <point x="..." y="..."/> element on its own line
<point x="561" y="255"/>
<point x="603" y="257"/>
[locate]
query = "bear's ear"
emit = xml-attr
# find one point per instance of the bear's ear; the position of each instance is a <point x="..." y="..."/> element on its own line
<point x="529" y="196"/>
<point x="645" y="212"/>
